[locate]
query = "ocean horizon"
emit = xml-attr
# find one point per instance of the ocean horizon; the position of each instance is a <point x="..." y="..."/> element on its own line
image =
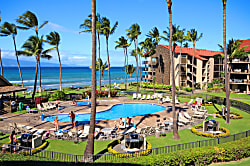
<point x="71" y="76"/>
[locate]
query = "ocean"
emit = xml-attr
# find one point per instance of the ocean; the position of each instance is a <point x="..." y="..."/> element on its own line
<point x="71" y="76"/>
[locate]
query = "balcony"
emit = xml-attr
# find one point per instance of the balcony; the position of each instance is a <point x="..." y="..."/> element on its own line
<point x="239" y="81"/>
<point x="149" y="62"/>
<point x="240" y="71"/>
<point x="239" y="61"/>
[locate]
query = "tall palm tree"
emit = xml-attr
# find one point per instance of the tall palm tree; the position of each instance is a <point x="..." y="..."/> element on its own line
<point x="123" y="43"/>
<point x="107" y="30"/>
<point x="155" y="36"/>
<point x="29" y="20"/>
<point x="181" y="38"/>
<point x="233" y="50"/>
<point x="133" y="33"/>
<point x="193" y="36"/>
<point x="89" y="150"/>
<point x="87" y="25"/>
<point x="34" y="47"/>
<point x="175" y="129"/>
<point x="54" y="39"/>
<point x="0" y="53"/>
<point x="11" y="30"/>
<point x="227" y="88"/>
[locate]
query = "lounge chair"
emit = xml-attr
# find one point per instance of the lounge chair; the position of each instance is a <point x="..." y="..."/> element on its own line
<point x="143" y="97"/>
<point x="166" y="99"/>
<point x="148" y="97"/>
<point x="40" y="107"/>
<point x="52" y="105"/>
<point x="85" y="132"/>
<point x="152" y="97"/>
<point x="132" y="129"/>
<point x="46" y="106"/>
<point x="134" y="96"/>
<point x="141" y="131"/>
<point x="39" y="132"/>
<point x="183" y="119"/>
<point x="186" y="115"/>
<point x="190" y="102"/>
<point x="139" y="96"/>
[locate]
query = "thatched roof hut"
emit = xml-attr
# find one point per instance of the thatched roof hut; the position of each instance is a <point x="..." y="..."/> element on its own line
<point x="7" y="87"/>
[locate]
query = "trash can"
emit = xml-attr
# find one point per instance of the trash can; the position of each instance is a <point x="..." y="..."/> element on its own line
<point x="42" y="117"/>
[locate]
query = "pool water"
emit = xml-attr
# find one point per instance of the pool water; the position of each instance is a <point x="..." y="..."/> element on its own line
<point x="83" y="103"/>
<point x="118" y="111"/>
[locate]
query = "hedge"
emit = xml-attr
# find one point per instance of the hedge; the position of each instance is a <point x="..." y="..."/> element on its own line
<point x="238" y="115"/>
<point x="229" y="151"/>
<point x="193" y="130"/>
<point x="128" y="155"/>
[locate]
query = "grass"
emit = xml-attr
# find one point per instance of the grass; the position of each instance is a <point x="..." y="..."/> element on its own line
<point x="77" y="149"/>
<point x="232" y="95"/>
<point x="243" y="162"/>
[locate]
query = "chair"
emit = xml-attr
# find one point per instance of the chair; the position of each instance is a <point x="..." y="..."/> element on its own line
<point x="134" y="96"/>
<point x="143" y="97"/>
<point x="40" y="107"/>
<point x="85" y="132"/>
<point x="139" y="96"/>
<point x="147" y="131"/>
<point x="152" y="97"/>
<point x="166" y="99"/>
<point x="39" y="132"/>
<point x="148" y="97"/>
<point x="52" y="105"/>
<point x="183" y="119"/>
<point x="46" y="106"/>
<point x="186" y="115"/>
<point x="190" y="102"/>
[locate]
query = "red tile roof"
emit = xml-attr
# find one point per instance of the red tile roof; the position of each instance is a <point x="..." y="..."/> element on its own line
<point x="197" y="54"/>
<point x="245" y="43"/>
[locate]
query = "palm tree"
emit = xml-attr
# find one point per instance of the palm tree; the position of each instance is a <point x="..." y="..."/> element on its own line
<point x="107" y="31"/>
<point x="10" y="30"/>
<point x="54" y="39"/>
<point x="29" y="20"/>
<point x="233" y="50"/>
<point x="123" y="43"/>
<point x="185" y="44"/>
<point x="193" y="36"/>
<point x="181" y="38"/>
<point x="34" y="47"/>
<point x="131" y="70"/>
<point x="103" y="67"/>
<point x="0" y="53"/>
<point x="87" y="25"/>
<point x="133" y="33"/>
<point x="89" y="150"/>
<point x="155" y="36"/>
<point x="175" y="129"/>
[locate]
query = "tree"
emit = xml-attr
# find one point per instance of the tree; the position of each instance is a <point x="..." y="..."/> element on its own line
<point x="89" y="150"/>
<point x="193" y="36"/>
<point x="107" y="31"/>
<point x="185" y="45"/>
<point x="0" y="53"/>
<point x="175" y="129"/>
<point x="180" y="38"/>
<point x="123" y="43"/>
<point x="131" y="70"/>
<point x="155" y="36"/>
<point x="29" y="20"/>
<point x="133" y="33"/>
<point x="34" y="47"/>
<point x="233" y="50"/>
<point x="54" y="39"/>
<point x="8" y="29"/>
<point x="103" y="67"/>
<point x="87" y="25"/>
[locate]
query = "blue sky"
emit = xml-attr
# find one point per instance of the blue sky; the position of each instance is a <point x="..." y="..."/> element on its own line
<point x="66" y="16"/>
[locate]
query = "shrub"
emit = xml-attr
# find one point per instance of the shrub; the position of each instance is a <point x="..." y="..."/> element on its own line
<point x="188" y="89"/>
<point x="193" y="130"/>
<point x="58" y="95"/>
<point x="1" y="133"/>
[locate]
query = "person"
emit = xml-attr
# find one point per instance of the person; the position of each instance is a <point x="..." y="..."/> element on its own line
<point x="57" y="105"/>
<point x="13" y="140"/>
<point x="73" y="102"/>
<point x="56" y="122"/>
<point x="28" y="108"/>
<point x="111" y="111"/>
<point x="120" y="124"/>
<point x="72" y="116"/>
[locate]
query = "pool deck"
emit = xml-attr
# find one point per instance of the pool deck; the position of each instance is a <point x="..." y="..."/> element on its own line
<point x="34" y="120"/>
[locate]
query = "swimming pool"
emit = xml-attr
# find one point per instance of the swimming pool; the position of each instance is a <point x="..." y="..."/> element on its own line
<point x="83" y="103"/>
<point x="118" y="111"/>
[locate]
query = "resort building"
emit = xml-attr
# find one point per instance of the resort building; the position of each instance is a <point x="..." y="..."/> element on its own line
<point x="158" y="66"/>
<point x="208" y="65"/>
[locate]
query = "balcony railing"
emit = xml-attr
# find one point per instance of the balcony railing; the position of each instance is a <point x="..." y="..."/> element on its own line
<point x="239" y="81"/>
<point x="149" y="62"/>
<point x="239" y="61"/>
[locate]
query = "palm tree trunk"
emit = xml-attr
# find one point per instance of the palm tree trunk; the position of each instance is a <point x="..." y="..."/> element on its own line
<point x="89" y="150"/>
<point x="131" y="78"/>
<point x="136" y="44"/>
<point x="193" y="68"/>
<point x="124" y="50"/>
<point x="103" y="79"/>
<point x="180" y="69"/>
<point x="19" y="68"/>
<point x="107" y="43"/>
<point x="175" y="129"/>
<point x="34" y="90"/>
<point x="40" y="79"/>
<point x="60" y="67"/>
<point x="99" y="54"/>
<point x="159" y="61"/>
<point x="127" y="63"/>
<point x="140" y="69"/>
<point x="225" y="63"/>
<point x="1" y="63"/>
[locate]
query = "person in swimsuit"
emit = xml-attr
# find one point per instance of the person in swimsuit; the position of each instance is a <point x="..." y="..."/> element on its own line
<point x="13" y="140"/>
<point x="56" y="123"/>
<point x="72" y="116"/>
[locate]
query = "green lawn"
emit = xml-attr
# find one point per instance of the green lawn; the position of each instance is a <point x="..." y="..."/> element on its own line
<point x="232" y="95"/>
<point x="243" y="162"/>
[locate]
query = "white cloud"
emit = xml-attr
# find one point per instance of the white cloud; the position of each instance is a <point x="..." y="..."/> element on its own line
<point x="79" y="57"/>
<point x="58" y="27"/>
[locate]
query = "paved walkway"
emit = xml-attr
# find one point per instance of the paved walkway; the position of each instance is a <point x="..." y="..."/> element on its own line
<point x="104" y="104"/>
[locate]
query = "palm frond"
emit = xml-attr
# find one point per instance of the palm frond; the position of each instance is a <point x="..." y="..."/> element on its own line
<point x="43" y="24"/>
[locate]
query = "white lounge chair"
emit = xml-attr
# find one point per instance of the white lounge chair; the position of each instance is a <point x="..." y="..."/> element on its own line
<point x="152" y="97"/>
<point x="186" y="115"/>
<point x="143" y="97"/>
<point x="39" y="132"/>
<point x="148" y="97"/>
<point x="139" y="96"/>
<point x="166" y="99"/>
<point x="40" y="107"/>
<point x="134" y="96"/>
<point x="183" y="119"/>
<point x="190" y="102"/>
<point x="85" y="132"/>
